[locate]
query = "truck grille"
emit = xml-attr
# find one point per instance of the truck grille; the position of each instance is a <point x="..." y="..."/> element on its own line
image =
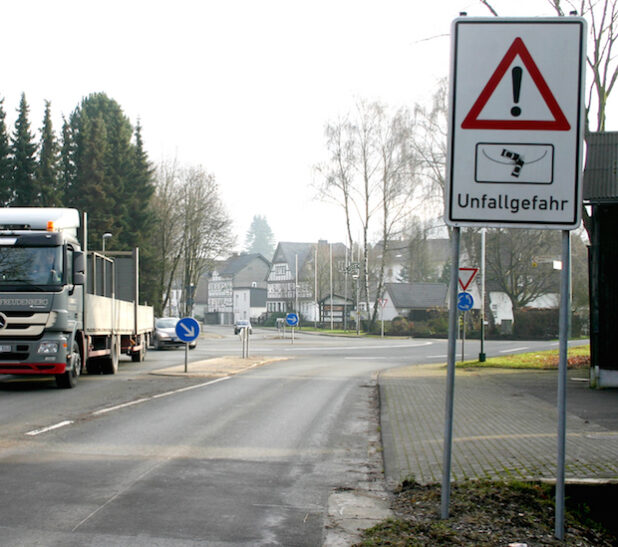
<point x="20" y="324"/>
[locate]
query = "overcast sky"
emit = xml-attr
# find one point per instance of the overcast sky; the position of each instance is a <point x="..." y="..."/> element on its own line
<point x="243" y="88"/>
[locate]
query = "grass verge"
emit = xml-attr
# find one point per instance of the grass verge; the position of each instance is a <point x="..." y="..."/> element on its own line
<point x="578" y="357"/>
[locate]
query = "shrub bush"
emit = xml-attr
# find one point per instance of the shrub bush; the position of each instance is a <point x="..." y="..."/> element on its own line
<point x="271" y="320"/>
<point x="400" y="326"/>
<point x="531" y="324"/>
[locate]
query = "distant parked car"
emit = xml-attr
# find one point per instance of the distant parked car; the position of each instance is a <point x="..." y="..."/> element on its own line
<point x="164" y="335"/>
<point x="242" y="324"/>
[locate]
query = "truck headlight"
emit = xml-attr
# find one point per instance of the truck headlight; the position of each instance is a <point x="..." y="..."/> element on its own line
<point x="48" y="347"/>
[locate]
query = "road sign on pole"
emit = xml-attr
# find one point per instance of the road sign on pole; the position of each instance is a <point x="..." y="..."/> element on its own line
<point x="187" y="329"/>
<point x="517" y="121"/>
<point x="291" y="319"/>
<point x="466" y="275"/>
<point x="464" y="301"/>
<point x="515" y="158"/>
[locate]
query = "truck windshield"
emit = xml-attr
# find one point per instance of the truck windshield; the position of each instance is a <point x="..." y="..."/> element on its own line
<point x="30" y="266"/>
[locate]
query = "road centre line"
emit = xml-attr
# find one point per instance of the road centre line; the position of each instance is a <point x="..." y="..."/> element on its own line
<point x="158" y="396"/>
<point x="35" y="432"/>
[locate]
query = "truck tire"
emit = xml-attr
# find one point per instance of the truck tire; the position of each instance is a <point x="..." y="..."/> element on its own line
<point x="140" y="356"/>
<point x="109" y="364"/>
<point x="68" y="379"/>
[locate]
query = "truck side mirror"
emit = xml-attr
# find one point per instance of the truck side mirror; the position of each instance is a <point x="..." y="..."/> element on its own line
<point x="79" y="268"/>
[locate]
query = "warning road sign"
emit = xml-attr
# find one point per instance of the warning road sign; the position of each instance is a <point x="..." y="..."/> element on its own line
<point x="516" y="126"/>
<point x="515" y="117"/>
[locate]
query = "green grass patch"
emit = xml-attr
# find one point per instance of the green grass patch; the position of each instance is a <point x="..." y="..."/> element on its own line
<point x="578" y="357"/>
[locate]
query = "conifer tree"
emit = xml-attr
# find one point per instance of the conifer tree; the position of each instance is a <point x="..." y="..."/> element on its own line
<point x="101" y="152"/>
<point x="260" y="238"/>
<point x="48" y="168"/>
<point x="141" y="220"/>
<point x="23" y="149"/>
<point x="67" y="161"/>
<point x="108" y="175"/>
<point x="138" y="193"/>
<point x="90" y="190"/>
<point x="6" y="175"/>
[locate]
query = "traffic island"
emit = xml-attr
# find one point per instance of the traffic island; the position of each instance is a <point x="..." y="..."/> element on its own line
<point x="217" y="367"/>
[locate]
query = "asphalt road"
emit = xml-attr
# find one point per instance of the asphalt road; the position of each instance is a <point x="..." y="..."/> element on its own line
<point x="141" y="459"/>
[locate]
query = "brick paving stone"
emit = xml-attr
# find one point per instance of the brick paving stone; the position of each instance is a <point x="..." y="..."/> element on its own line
<point x="500" y="430"/>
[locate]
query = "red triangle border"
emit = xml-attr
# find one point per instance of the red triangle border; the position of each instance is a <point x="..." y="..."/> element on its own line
<point x="560" y="123"/>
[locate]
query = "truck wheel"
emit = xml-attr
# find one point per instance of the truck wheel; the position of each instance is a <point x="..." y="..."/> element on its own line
<point x="137" y="357"/>
<point x="68" y="380"/>
<point x="141" y="354"/>
<point x="109" y="365"/>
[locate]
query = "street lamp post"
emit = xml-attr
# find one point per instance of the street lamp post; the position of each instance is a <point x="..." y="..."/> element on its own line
<point x="106" y="235"/>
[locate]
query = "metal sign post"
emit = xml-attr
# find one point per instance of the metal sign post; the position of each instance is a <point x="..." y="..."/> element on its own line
<point x="562" y="380"/>
<point x="450" y="378"/>
<point x="244" y="340"/>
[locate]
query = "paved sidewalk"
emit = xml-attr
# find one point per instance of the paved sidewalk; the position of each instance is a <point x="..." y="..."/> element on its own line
<point x="505" y="425"/>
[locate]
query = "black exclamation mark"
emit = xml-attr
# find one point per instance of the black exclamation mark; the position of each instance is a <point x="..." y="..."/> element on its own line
<point x="516" y="74"/>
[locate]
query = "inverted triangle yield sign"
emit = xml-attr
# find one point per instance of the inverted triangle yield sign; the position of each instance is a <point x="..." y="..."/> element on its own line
<point x="466" y="275"/>
<point x="559" y="123"/>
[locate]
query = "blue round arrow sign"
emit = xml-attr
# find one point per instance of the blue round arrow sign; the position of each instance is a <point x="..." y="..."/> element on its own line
<point x="291" y="319"/>
<point x="187" y="329"/>
<point x="464" y="301"/>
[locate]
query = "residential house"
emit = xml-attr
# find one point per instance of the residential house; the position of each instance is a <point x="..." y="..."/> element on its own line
<point x="249" y="303"/>
<point x="289" y="291"/>
<point x="413" y="300"/>
<point x="240" y="273"/>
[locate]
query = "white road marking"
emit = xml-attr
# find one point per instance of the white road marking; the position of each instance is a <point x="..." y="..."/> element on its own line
<point x="49" y="428"/>
<point x="166" y="394"/>
<point x="513" y="350"/>
<point x="125" y="405"/>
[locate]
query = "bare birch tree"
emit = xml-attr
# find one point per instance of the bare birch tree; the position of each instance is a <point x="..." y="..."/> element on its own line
<point x="337" y="175"/>
<point x="206" y="228"/>
<point x="397" y="184"/>
<point x="429" y="142"/>
<point x="195" y="229"/>
<point x="369" y="173"/>
<point x="168" y="239"/>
